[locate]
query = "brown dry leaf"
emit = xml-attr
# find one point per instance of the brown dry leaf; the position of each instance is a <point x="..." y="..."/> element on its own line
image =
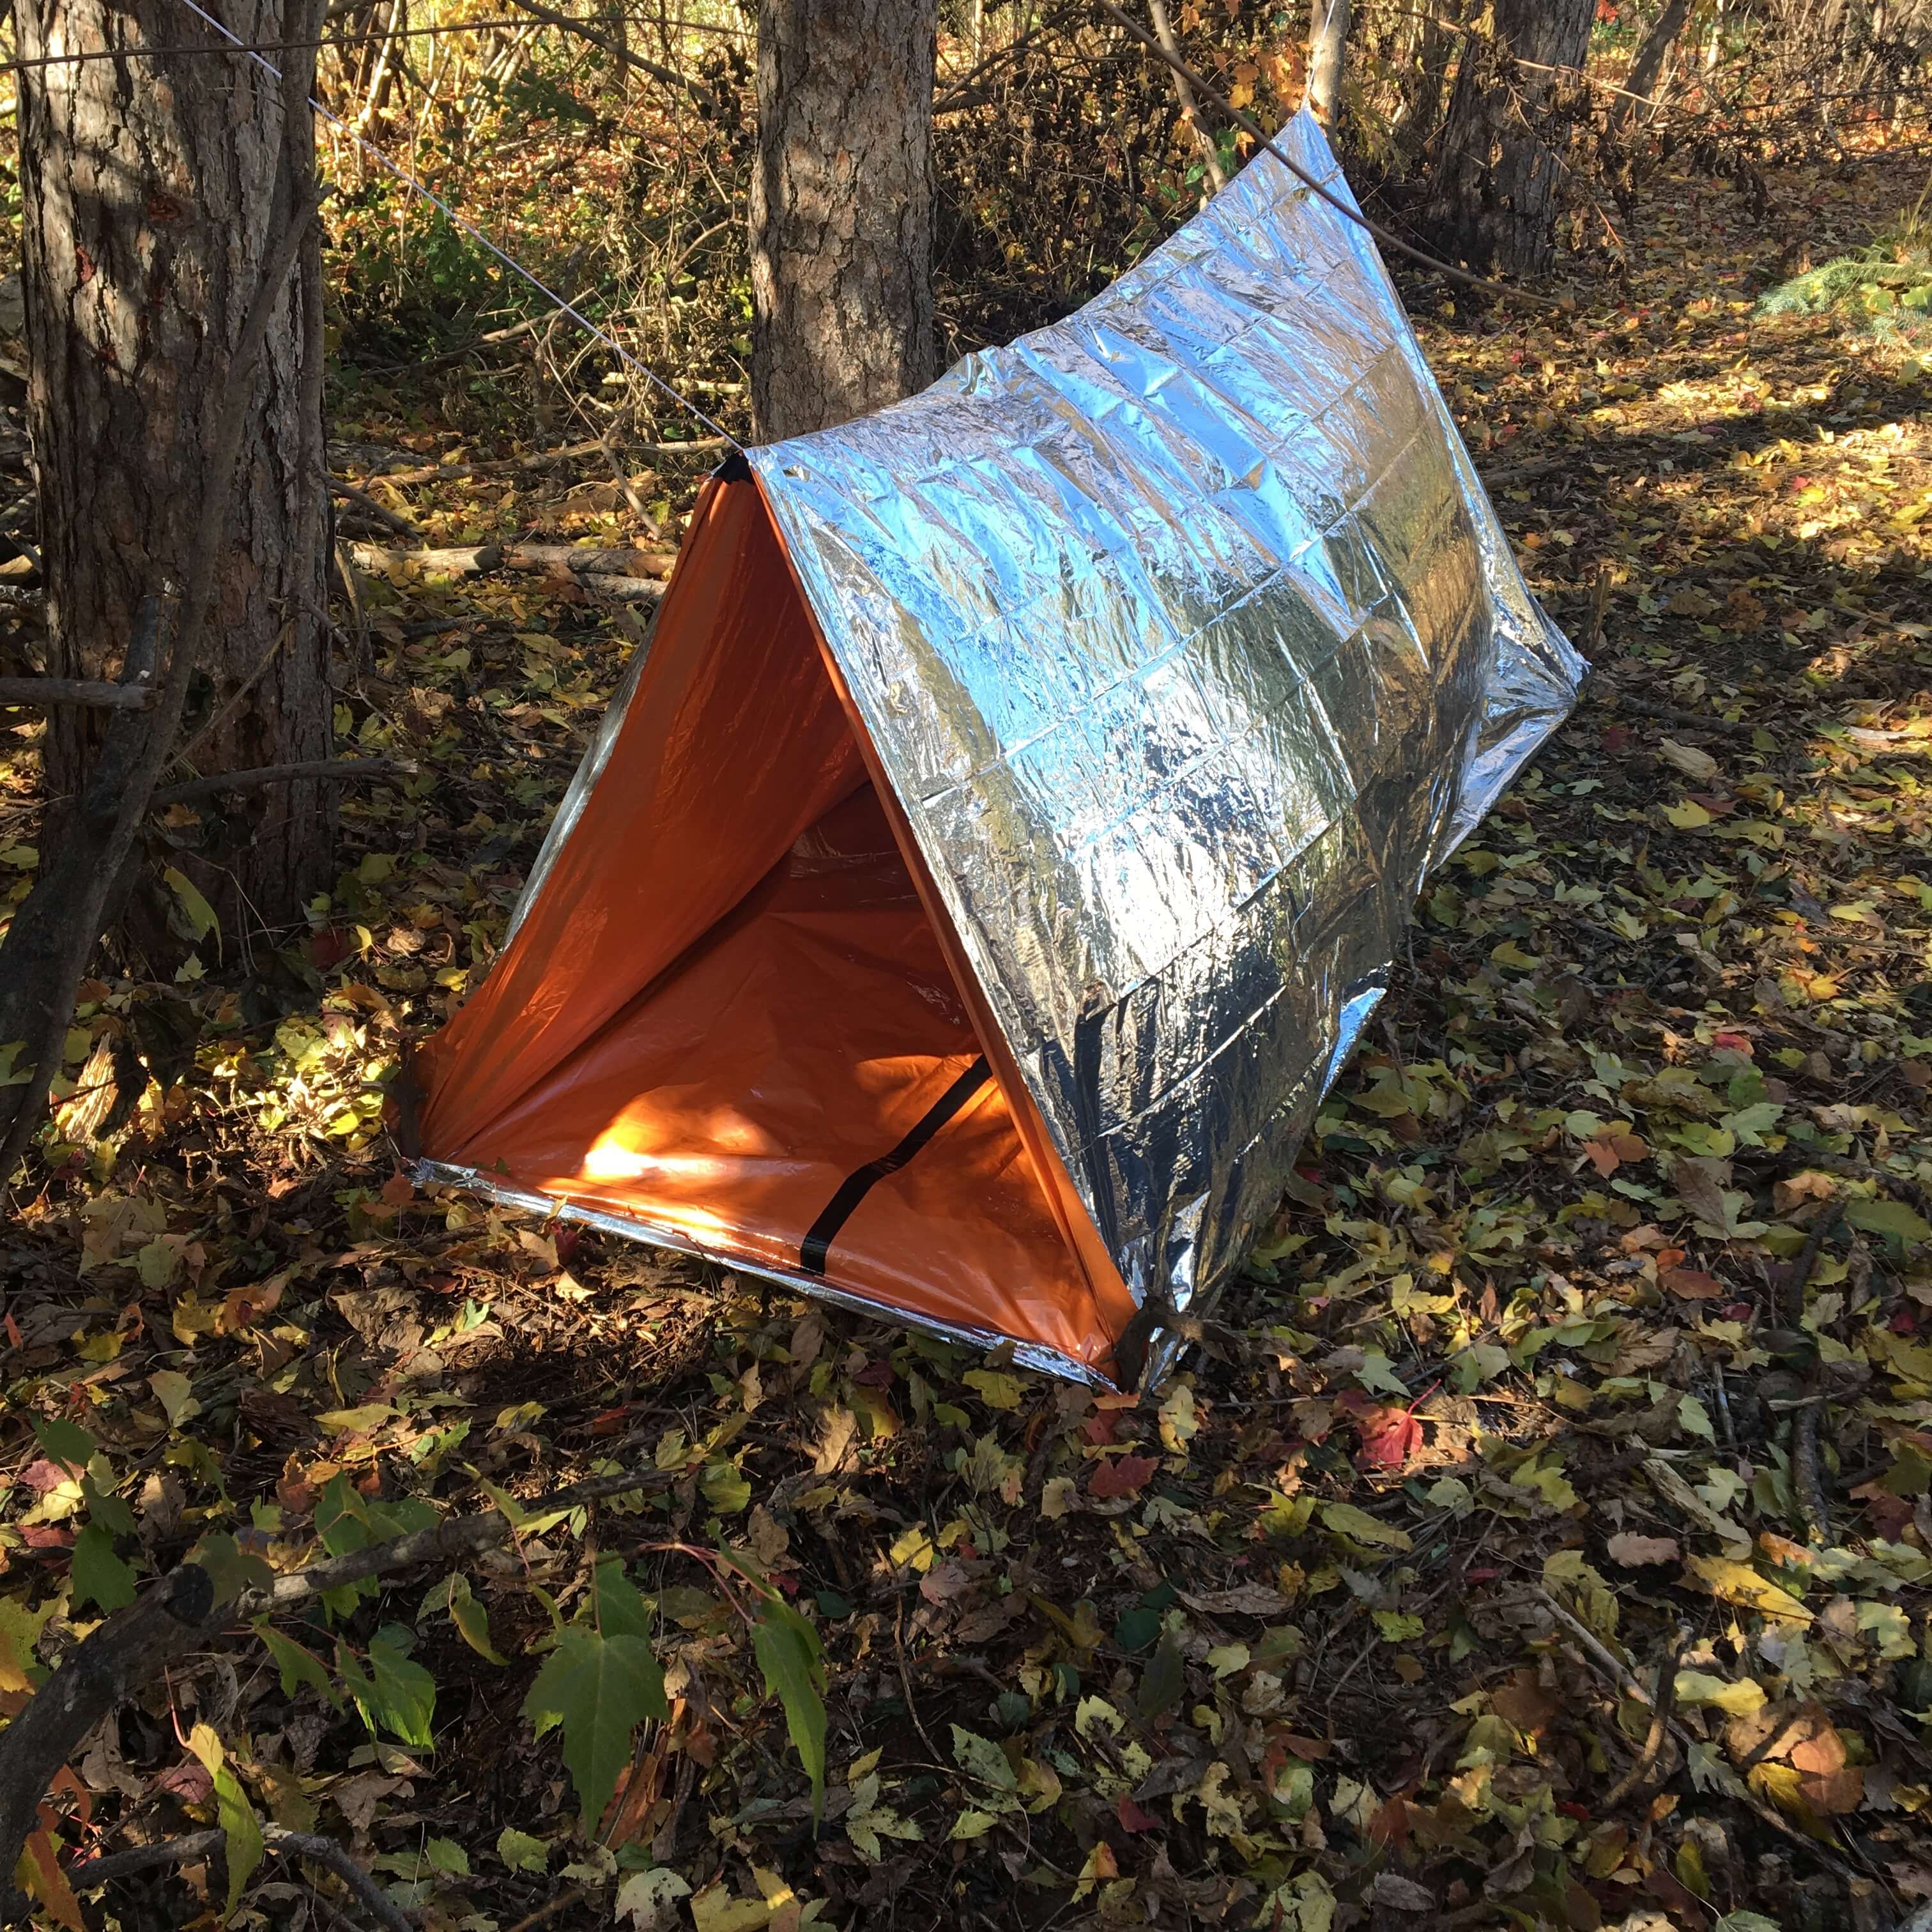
<point x="1522" y="1701"/>
<point x="1692" y="762"/>
<point x="1691" y="1286"/>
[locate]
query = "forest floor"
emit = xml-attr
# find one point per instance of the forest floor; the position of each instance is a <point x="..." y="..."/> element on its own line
<point x="1541" y="1536"/>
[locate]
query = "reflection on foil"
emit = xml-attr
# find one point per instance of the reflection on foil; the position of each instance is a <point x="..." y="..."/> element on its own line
<point x="1190" y="642"/>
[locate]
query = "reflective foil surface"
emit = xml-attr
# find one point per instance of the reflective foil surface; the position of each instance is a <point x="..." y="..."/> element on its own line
<point x="1189" y="642"/>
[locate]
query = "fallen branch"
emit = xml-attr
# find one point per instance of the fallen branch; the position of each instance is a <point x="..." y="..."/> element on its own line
<point x="123" y="1654"/>
<point x="368" y="505"/>
<point x="93" y="692"/>
<point x="476" y="559"/>
<point x="277" y="1841"/>
<point x="624" y="590"/>
<point x="631" y="562"/>
<point x="134" y="1646"/>
<point x="459" y="560"/>
<point x="327" y="771"/>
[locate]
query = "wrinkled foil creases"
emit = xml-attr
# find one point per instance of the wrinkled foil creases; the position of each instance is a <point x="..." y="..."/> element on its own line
<point x="1189" y="642"/>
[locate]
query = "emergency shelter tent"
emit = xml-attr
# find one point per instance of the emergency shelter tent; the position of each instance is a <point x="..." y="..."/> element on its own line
<point x="999" y="845"/>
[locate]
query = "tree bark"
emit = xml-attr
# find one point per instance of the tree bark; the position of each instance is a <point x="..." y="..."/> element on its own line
<point x="153" y="192"/>
<point x="1495" y="203"/>
<point x="1327" y="42"/>
<point x="842" y="210"/>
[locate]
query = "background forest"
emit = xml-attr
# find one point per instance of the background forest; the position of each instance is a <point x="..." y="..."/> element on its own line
<point x="1540" y="1534"/>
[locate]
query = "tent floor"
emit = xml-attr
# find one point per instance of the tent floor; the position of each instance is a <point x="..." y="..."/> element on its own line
<point x="756" y="1093"/>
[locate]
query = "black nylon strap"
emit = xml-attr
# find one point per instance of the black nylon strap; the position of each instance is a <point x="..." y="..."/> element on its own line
<point x="818" y="1243"/>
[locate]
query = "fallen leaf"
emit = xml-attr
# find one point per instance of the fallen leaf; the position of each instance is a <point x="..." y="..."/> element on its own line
<point x="1628" y="1547"/>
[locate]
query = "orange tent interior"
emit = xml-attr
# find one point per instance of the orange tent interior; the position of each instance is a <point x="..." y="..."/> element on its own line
<point x="736" y="1011"/>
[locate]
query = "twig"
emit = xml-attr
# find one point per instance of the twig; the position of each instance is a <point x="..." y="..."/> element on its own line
<point x="669" y="76"/>
<point x="455" y="1537"/>
<point x="562" y="1902"/>
<point x="329" y="771"/>
<point x="326" y="1852"/>
<point x="368" y="505"/>
<point x="1638" y="1778"/>
<point x="541" y="459"/>
<point x="1252" y="128"/>
<point x="94" y="693"/>
<point x="275" y="1839"/>
<point x="144" y="1858"/>
<point x="905" y="1680"/>
<point x="1605" y="1660"/>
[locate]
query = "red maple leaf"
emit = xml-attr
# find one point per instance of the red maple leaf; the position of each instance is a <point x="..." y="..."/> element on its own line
<point x="1124" y="1477"/>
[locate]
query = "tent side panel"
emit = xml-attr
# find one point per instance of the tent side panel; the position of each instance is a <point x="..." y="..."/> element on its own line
<point x="1113" y="1309"/>
<point x="733" y="744"/>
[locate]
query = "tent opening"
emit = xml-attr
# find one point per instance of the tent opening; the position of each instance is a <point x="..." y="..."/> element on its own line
<point x="726" y="1014"/>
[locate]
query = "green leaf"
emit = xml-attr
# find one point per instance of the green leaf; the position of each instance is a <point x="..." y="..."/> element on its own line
<point x="786" y="1647"/>
<point x="1887" y="1217"/>
<point x="235" y="1814"/>
<point x="175" y="1394"/>
<point x="725" y="1487"/>
<point x="599" y="1688"/>
<point x="445" y="1855"/>
<point x="473" y="1623"/>
<point x="66" y="1443"/>
<point x="981" y="1758"/>
<point x="1345" y="1519"/>
<point x="521" y="1851"/>
<point x="298" y="1666"/>
<point x="1164" y="1682"/>
<point x="230" y="1568"/>
<point x="617" y="1609"/>
<point x="395" y="1695"/>
<point x="100" y="1576"/>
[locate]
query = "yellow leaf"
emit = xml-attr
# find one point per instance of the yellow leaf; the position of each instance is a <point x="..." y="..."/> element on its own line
<point x="1745" y="1699"/>
<point x="1739" y="1583"/>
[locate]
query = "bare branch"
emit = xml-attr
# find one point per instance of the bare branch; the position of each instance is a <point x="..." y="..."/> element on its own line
<point x="368" y="505"/>
<point x="669" y="76"/>
<point x="1252" y="128"/>
<point x="276" y="1840"/>
<point x="93" y="692"/>
<point x="329" y="771"/>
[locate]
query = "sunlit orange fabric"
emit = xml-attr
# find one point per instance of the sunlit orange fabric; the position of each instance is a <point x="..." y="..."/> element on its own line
<point x="735" y="989"/>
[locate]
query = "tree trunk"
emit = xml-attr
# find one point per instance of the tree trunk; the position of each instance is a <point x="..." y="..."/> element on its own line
<point x="1419" y="110"/>
<point x="1327" y="40"/>
<point x="1495" y="203"/>
<point x="1184" y="93"/>
<point x="152" y="195"/>
<point x="842" y="210"/>
<point x="1648" y="62"/>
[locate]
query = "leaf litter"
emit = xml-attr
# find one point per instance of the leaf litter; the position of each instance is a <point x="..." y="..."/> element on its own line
<point x="1539" y="1535"/>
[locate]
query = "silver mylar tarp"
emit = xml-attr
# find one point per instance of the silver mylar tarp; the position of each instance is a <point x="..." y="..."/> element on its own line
<point x="1189" y="642"/>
